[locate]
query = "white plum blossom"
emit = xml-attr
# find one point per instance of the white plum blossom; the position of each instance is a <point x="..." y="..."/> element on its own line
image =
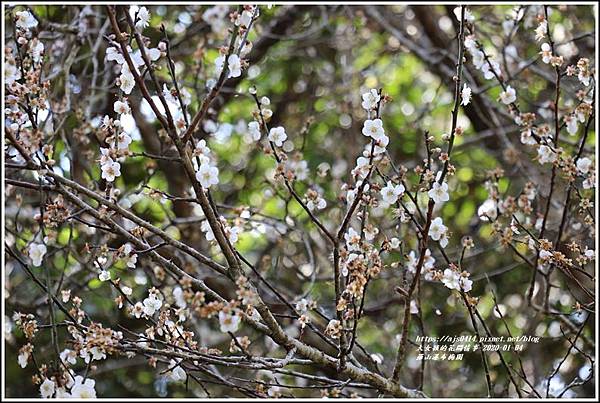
<point x="37" y="50"/>
<point x="490" y="69"/>
<point x="93" y="354"/>
<point x="11" y="73"/>
<point x="373" y="128"/>
<point x="223" y="132"/>
<point x="508" y="96"/>
<point x="179" y="297"/>
<point x="104" y="275"/>
<point x="316" y="202"/>
<point x="583" y="165"/>
<point x="206" y="228"/>
<point x="207" y="175"/>
<point x="412" y="260"/>
<point x="132" y="261"/>
<point x="176" y="374"/>
<point x="455" y="281"/>
<point x="234" y="64"/>
<point x="488" y="210"/>
<point x="541" y="30"/>
<point x="152" y="304"/>
<point x="439" y="193"/>
<point x="546" y="155"/>
<point x="25" y="20"/>
<point x="36" y="253"/>
<point x="277" y="135"/>
<point x="69" y="356"/>
<point x="245" y="18"/>
<point x="546" y="53"/>
<point x="437" y="229"/>
<point x="111" y="170"/>
<point x="23" y="358"/>
<point x="143" y="16"/>
<point x="390" y="193"/>
<point x="469" y="17"/>
<point x="121" y="107"/>
<point x="123" y="141"/>
<point x="83" y="390"/>
<point x="229" y="322"/>
<point x="114" y="54"/>
<point x="254" y="130"/>
<point x="215" y="17"/>
<point x="572" y="124"/>
<point x="300" y="169"/>
<point x="370" y="100"/>
<point x="465" y="95"/>
<point x="127" y="81"/>
<point x="201" y="149"/>
<point x="47" y="388"/>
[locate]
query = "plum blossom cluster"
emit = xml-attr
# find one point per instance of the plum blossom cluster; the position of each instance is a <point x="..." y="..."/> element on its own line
<point x="26" y="90"/>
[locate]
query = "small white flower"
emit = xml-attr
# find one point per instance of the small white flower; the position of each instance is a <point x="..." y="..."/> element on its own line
<point x="177" y="374"/>
<point x="439" y="193"/>
<point x="373" y="128"/>
<point x="207" y="175"/>
<point x="179" y="297"/>
<point x="11" y="73"/>
<point x="370" y="100"/>
<point x="22" y="359"/>
<point x="488" y="210"/>
<point x="390" y="193"/>
<point x="127" y="82"/>
<point x="37" y="50"/>
<point x="318" y="203"/>
<point x="143" y="18"/>
<point x="83" y="390"/>
<point x="132" y="261"/>
<point x="111" y="170"/>
<point x="126" y="290"/>
<point x="508" y="96"/>
<point x="546" y="53"/>
<point x="469" y="17"/>
<point x="104" y="275"/>
<point x="201" y="148"/>
<point x="113" y="54"/>
<point x="491" y="69"/>
<point x="572" y="124"/>
<point x="300" y="170"/>
<point x="546" y="155"/>
<point x="61" y="393"/>
<point x="47" y="388"/>
<point x="229" y="322"/>
<point x="122" y="107"/>
<point x="137" y="309"/>
<point x="254" y="130"/>
<point x="234" y="65"/>
<point x="151" y="305"/>
<point x="465" y="95"/>
<point x="541" y="30"/>
<point x="25" y="20"/>
<point x="507" y="26"/>
<point x="437" y="229"/>
<point x="583" y="165"/>
<point x="245" y="18"/>
<point x="205" y="227"/>
<point x="36" y="253"/>
<point x="277" y="135"/>
<point x="123" y="141"/>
